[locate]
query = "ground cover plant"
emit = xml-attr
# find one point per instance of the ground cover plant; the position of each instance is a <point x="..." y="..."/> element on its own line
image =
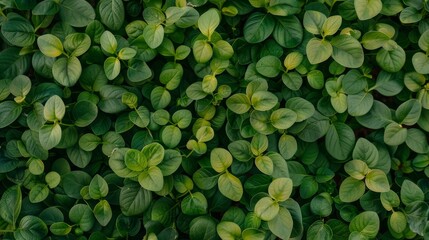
<point x="214" y="119"/>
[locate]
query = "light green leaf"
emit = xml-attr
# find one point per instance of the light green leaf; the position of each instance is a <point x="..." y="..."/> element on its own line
<point x="77" y="44"/>
<point x="208" y="22"/>
<point x="367" y="9"/>
<point x="282" y="225"/>
<point x="314" y="21"/>
<point x="103" y="212"/>
<point x="230" y="186"/>
<point x="280" y="189"/>
<point x="202" y="51"/>
<point x="153" y="35"/>
<point x="267" y="209"/>
<point x="318" y="50"/>
<point x="264" y="100"/>
<point x="331" y="25"/>
<point x="50" y="136"/>
<point x="269" y="66"/>
<point x="112" y="67"/>
<point x="376" y="181"/>
<point x="421" y="63"/>
<point x="239" y="103"/>
<point x="351" y="190"/>
<point x="319" y="231"/>
<point x="394" y="134"/>
<point x="67" y="71"/>
<point x="347" y="51"/>
<point x="108" y="42"/>
<point x="98" y="187"/>
<point x="50" y="45"/>
<point x="220" y="159"/>
<point x="367" y="223"/>
<point x="228" y="230"/>
<point x="357" y="169"/>
<point x="154" y="153"/>
<point x="264" y="164"/>
<point x="151" y="179"/>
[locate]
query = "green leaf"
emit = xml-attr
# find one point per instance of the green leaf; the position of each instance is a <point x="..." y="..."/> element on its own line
<point x="76" y="13"/>
<point x="410" y="15"/>
<point x="318" y="50"/>
<point x="67" y="71"/>
<point x="77" y="44"/>
<point x="52" y="179"/>
<point x="82" y="214"/>
<point x="367" y="9"/>
<point x="204" y="134"/>
<point x="411" y="192"/>
<point x="417" y="214"/>
<point x="280" y="189"/>
<point x="398" y="222"/>
<point x="202" y="51"/>
<point x="133" y="199"/>
<point x="347" y="51"/>
<point x="220" y="159"/>
<point x="314" y="21"/>
<point x="151" y="179"/>
<point x="420" y="63"/>
<point x="351" y="189"/>
<point x="208" y="22"/>
<point x="154" y="153"/>
<point x="417" y="141"/>
<point x="50" y="136"/>
<point x="112" y="13"/>
<point x="288" y="146"/>
<point x="194" y="204"/>
<point x="267" y="209"/>
<point x="38" y="193"/>
<point x="84" y="113"/>
<point x="103" y="212"/>
<point x="376" y="181"/>
<point x="258" y="27"/>
<point x="319" y="230"/>
<point x="230" y="186"/>
<point x="9" y="112"/>
<point x="359" y="104"/>
<point x="331" y="25"/>
<point x="10" y="204"/>
<point x="367" y="223"/>
<point x="264" y="100"/>
<point x="98" y="187"/>
<point x="408" y="113"/>
<point x="153" y="35"/>
<point x="395" y="134"/>
<point x="60" y="228"/>
<point x="112" y="67"/>
<point x="288" y="31"/>
<point x="18" y="31"/>
<point x="31" y="227"/>
<point x="357" y="169"/>
<point x="160" y="97"/>
<point x="391" y="58"/>
<point x="282" y="225"/>
<point x="54" y="109"/>
<point x="108" y="42"/>
<point x="389" y="200"/>
<point x="269" y="66"/>
<point x="340" y="140"/>
<point x="239" y="103"/>
<point x="228" y="230"/>
<point x="264" y="164"/>
<point x="374" y="39"/>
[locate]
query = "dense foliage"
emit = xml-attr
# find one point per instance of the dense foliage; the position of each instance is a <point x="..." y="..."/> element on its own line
<point x="208" y="119"/>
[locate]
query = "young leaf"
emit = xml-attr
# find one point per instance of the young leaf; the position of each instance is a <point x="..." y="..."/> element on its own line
<point x="230" y="186"/>
<point x="67" y="71"/>
<point x="103" y="212"/>
<point x="376" y="181"/>
<point x="314" y="21"/>
<point x="318" y="50"/>
<point x="367" y="9"/>
<point x="50" y="45"/>
<point x="267" y="208"/>
<point x="98" y="187"/>
<point x="351" y="189"/>
<point x="208" y="22"/>
<point x="228" y="230"/>
<point x="280" y="189"/>
<point x="220" y="159"/>
<point x="347" y="51"/>
<point x="367" y="223"/>
<point x="151" y="179"/>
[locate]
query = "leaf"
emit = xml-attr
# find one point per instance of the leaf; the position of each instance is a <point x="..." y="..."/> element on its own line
<point x="153" y="35"/>
<point x="288" y="146"/>
<point x="280" y="189"/>
<point x="194" y="204"/>
<point x="264" y="164"/>
<point x="112" y="13"/>
<point x="395" y="134"/>
<point x="9" y="112"/>
<point x="67" y="71"/>
<point x="269" y="66"/>
<point x="112" y="67"/>
<point x="38" y="193"/>
<point x="108" y="42"/>
<point x="220" y="159"/>
<point x="31" y="227"/>
<point x="103" y="212"/>
<point x="288" y="31"/>
<point x="230" y="186"/>
<point x="10" y="204"/>
<point x="60" y="228"/>
<point x="411" y="192"/>
<point x="357" y="169"/>
<point x="50" y="136"/>
<point x="208" y="22"/>
<point x="54" y="109"/>
<point x="202" y="51"/>
<point x="151" y="179"/>
<point x="359" y="104"/>
<point x="376" y="181"/>
<point x="392" y="59"/>
<point x="367" y="9"/>
<point x="18" y="31"/>
<point x="264" y="100"/>
<point x="417" y="214"/>
<point x="347" y="51"/>
<point x="408" y="112"/>
<point x="351" y="190"/>
<point x="340" y="140"/>
<point x="318" y="50"/>
<point x="367" y="223"/>
<point x="398" y="222"/>
<point x="77" y="44"/>
<point x="228" y="230"/>
<point x="258" y="27"/>
<point x="154" y="153"/>
<point x="420" y="63"/>
<point x="98" y="187"/>
<point x="319" y="230"/>
<point x="77" y="13"/>
<point x="171" y="136"/>
<point x="133" y="199"/>
<point x="267" y="209"/>
<point x="282" y="225"/>
<point x="82" y="214"/>
<point x="331" y="25"/>
<point x="313" y="22"/>
<point x="239" y="103"/>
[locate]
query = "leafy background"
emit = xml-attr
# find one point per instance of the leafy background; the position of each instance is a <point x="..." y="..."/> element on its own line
<point x="208" y="119"/>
